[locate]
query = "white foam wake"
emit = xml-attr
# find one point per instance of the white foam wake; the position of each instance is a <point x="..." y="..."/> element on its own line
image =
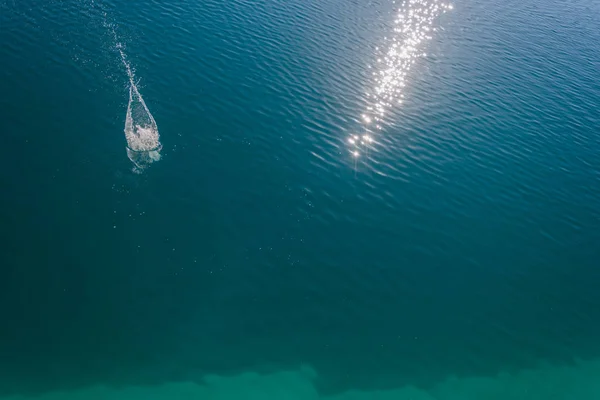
<point x="141" y="131"/>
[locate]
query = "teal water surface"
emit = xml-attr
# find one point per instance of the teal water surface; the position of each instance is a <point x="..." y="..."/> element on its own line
<point x="448" y="245"/>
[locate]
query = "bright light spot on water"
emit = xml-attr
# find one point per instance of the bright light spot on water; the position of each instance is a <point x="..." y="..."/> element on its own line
<point x="355" y="153"/>
<point x="413" y="26"/>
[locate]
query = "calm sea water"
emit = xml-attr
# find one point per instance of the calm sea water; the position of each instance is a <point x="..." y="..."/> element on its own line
<point x="460" y="239"/>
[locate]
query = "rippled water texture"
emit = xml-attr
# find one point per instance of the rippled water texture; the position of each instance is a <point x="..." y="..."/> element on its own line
<point x="355" y="199"/>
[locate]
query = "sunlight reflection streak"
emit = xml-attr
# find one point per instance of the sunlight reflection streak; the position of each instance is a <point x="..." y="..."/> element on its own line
<point x="412" y="27"/>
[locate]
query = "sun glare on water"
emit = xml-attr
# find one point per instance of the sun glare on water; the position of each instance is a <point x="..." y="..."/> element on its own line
<point x="413" y="26"/>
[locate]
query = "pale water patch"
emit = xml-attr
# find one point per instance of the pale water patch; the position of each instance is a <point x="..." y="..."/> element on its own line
<point x="572" y="382"/>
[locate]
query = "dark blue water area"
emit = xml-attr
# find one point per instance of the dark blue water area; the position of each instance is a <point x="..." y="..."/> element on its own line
<point x="464" y="243"/>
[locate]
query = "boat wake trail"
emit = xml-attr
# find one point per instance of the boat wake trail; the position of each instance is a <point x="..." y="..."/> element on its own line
<point x="141" y="131"/>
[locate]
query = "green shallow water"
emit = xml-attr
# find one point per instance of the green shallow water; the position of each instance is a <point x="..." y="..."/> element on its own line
<point x="577" y="381"/>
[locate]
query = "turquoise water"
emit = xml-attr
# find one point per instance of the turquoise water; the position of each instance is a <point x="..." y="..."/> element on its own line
<point x="290" y="241"/>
